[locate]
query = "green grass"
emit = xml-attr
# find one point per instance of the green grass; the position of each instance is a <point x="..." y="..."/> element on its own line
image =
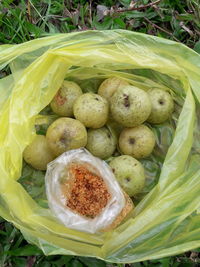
<point x="22" y="21"/>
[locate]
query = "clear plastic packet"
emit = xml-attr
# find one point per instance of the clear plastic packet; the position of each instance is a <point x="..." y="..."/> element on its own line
<point x="60" y="181"/>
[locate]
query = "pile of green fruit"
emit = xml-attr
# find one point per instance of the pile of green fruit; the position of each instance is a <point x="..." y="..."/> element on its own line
<point x="84" y="122"/>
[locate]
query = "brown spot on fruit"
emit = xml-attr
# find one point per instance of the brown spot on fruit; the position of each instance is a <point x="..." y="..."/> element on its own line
<point x="60" y="100"/>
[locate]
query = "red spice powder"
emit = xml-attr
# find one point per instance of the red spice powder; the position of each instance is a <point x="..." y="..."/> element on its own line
<point x="88" y="194"/>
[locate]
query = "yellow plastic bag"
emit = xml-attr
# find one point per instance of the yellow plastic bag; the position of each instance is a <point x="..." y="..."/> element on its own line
<point x="168" y="219"/>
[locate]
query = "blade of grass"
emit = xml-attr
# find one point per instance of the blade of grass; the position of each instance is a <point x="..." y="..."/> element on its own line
<point x="161" y="29"/>
<point x="11" y="27"/>
<point x="40" y="16"/>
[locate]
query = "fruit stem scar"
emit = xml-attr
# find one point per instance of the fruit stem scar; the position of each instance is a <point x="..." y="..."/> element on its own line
<point x="126" y="101"/>
<point x="127" y="179"/>
<point x="64" y="137"/>
<point x="161" y="102"/>
<point x="109" y="135"/>
<point x="131" y="140"/>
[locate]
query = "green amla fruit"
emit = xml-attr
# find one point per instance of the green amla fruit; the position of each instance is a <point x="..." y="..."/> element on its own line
<point x="130" y="106"/>
<point x="162" y="106"/>
<point x="38" y="154"/>
<point x="129" y="172"/>
<point x="137" y="142"/>
<point x="65" y="134"/>
<point x="101" y="142"/>
<point x="92" y="110"/>
<point x="63" y="101"/>
<point x="110" y="85"/>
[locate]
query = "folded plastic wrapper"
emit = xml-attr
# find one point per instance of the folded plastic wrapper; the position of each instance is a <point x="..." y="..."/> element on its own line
<point x="166" y="221"/>
<point x="58" y="172"/>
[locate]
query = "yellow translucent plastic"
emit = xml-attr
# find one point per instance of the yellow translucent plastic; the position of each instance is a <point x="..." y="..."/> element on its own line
<point x="167" y="220"/>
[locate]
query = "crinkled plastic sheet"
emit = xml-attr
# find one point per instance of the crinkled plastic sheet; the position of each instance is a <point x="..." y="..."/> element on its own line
<point x="168" y="219"/>
<point x="58" y="171"/>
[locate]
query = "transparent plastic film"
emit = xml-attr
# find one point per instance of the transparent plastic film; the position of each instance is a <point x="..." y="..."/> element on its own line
<point x="58" y="173"/>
